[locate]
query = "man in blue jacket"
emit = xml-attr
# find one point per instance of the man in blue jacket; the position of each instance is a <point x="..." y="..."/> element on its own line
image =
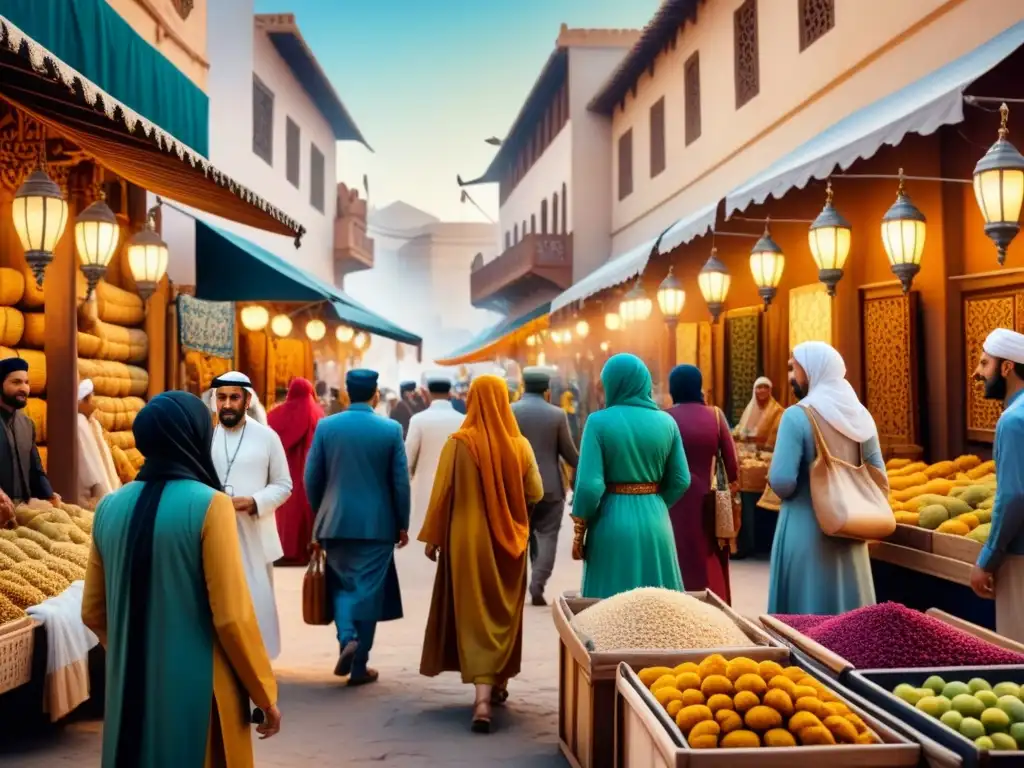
<point x="357" y="479"/>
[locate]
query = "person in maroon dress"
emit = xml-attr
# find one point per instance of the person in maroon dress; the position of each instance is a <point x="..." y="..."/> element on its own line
<point x="703" y="558"/>
<point x="295" y="421"/>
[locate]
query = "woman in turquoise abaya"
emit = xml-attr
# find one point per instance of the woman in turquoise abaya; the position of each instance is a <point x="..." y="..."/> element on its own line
<point x="632" y="469"/>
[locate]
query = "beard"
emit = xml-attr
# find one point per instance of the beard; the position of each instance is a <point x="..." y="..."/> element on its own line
<point x="798" y="391"/>
<point x="15" y="402"/>
<point x="995" y="388"/>
<point x="229" y="417"/>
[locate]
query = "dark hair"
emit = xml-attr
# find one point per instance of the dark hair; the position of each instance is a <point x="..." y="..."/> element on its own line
<point x="537" y="386"/>
<point x="321" y="388"/>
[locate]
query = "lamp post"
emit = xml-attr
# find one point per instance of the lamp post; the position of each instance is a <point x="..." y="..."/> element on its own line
<point x="147" y="257"/>
<point x="40" y="215"/>
<point x="903" y="233"/>
<point x="713" y="281"/>
<point x="999" y="188"/>
<point x="344" y="333"/>
<point x="255" y="317"/>
<point x="281" y="326"/>
<point x="767" y="262"/>
<point x="829" y="238"/>
<point x="671" y="300"/>
<point x="96" y="236"/>
<point x="635" y="306"/>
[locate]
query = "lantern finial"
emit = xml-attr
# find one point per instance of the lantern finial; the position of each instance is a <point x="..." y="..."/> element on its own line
<point x="1004" y="121"/>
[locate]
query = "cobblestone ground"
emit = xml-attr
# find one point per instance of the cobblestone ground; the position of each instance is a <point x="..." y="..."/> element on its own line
<point x="404" y="720"/>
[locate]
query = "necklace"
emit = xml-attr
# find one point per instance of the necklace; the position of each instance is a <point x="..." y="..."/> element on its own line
<point x="231" y="459"/>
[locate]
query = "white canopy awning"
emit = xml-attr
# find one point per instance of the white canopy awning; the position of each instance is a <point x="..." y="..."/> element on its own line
<point x="921" y="107"/>
<point x="698" y="223"/>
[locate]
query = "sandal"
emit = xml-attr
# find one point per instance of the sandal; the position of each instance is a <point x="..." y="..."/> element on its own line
<point x="499" y="695"/>
<point x="371" y="676"/>
<point x="481" y="716"/>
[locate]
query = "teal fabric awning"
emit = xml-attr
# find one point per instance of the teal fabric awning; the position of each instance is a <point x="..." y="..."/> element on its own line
<point x="91" y="37"/>
<point x="495" y="333"/>
<point x="231" y="268"/>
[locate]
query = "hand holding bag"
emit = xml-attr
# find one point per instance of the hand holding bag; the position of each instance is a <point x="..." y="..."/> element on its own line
<point x="317" y="608"/>
<point x="720" y="496"/>
<point x="848" y="501"/>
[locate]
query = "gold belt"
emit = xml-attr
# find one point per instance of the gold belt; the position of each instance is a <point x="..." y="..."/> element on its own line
<point x="632" y="489"/>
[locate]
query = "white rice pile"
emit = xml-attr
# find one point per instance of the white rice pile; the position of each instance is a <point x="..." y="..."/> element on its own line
<point x="655" y="618"/>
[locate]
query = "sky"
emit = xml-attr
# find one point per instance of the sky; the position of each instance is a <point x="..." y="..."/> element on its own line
<point x="427" y="81"/>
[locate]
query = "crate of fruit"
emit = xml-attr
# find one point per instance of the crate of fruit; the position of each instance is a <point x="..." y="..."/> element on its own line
<point x="724" y="711"/>
<point x="976" y="712"/>
<point x="643" y="627"/>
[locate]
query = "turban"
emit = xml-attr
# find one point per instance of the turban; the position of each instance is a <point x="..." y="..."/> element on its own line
<point x="1005" y="345"/>
<point x="407" y="386"/>
<point x="85" y="388"/>
<point x="361" y="383"/>
<point x="11" y="364"/>
<point x="439" y="385"/>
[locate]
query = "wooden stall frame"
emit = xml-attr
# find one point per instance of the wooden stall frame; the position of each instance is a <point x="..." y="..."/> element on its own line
<point x="912" y="537"/>
<point x="922" y="562"/>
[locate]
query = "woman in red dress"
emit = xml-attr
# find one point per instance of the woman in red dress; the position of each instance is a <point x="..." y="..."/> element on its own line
<point x="295" y="421"/>
<point x="703" y="558"/>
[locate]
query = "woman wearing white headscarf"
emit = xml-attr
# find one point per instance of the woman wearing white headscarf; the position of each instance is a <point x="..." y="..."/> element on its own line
<point x="812" y="572"/>
<point x="760" y="420"/>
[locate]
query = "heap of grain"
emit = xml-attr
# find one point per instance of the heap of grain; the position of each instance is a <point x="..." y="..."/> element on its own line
<point x="651" y="618"/>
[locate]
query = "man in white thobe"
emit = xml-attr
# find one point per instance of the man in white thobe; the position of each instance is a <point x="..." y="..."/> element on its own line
<point x="252" y="465"/>
<point x="429" y="430"/>
<point x="97" y="475"/>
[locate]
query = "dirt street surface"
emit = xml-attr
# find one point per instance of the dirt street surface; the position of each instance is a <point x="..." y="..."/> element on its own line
<point x="404" y="720"/>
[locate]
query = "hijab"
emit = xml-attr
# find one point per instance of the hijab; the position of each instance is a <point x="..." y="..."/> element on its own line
<point x="754" y="413"/>
<point x="627" y="381"/>
<point x="830" y="394"/>
<point x="174" y="433"/>
<point x="686" y="385"/>
<point x="296" y="418"/>
<point x="492" y="435"/>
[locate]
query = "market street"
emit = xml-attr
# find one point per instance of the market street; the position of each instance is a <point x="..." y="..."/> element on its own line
<point x="405" y="720"/>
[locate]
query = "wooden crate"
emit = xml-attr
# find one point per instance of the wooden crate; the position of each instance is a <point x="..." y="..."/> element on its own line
<point x="648" y="738"/>
<point x="956" y="547"/>
<point x="913" y="537"/>
<point x="586" y="681"/>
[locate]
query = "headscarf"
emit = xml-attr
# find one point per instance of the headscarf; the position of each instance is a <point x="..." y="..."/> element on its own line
<point x="627" y="381"/>
<point x="296" y="418"/>
<point x="174" y="433"/>
<point x="754" y="410"/>
<point x="830" y="394"/>
<point x="1005" y="344"/>
<point x="491" y="434"/>
<point x="686" y="384"/>
<point x="236" y="379"/>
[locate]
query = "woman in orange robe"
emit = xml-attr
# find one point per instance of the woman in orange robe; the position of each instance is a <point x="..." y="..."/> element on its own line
<point x="477" y="528"/>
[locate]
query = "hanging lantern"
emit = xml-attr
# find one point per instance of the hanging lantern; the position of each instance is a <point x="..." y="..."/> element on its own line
<point x="344" y="333"/>
<point x="281" y="326"/>
<point x="361" y="341"/>
<point x="604" y="347"/>
<point x="582" y="329"/>
<point x="541" y="359"/>
<point x="671" y="297"/>
<point x="766" y="264"/>
<point x="531" y="340"/>
<point x="903" y="232"/>
<point x="567" y="336"/>
<point x="96" y="237"/>
<point x="636" y="306"/>
<point x="147" y="257"/>
<point x="999" y="188"/>
<point x="315" y="329"/>
<point x="255" y="317"/>
<point x="713" y="281"/>
<point x="40" y="215"/>
<point x="612" y="321"/>
<point x="830" y="238"/>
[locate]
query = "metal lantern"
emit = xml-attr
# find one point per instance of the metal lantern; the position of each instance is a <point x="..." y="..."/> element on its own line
<point x="255" y="317"/>
<point x="612" y="321"/>
<point x="582" y="329"/>
<point x="96" y="236"/>
<point x="830" y="238"/>
<point x="767" y="262"/>
<point x="531" y="340"/>
<point x="999" y="188"/>
<point x="713" y="281"/>
<point x="361" y="341"/>
<point x="636" y="306"/>
<point x="903" y="231"/>
<point x="147" y="258"/>
<point x="315" y="329"/>
<point x="344" y="334"/>
<point x="40" y="215"/>
<point x="281" y="325"/>
<point x="671" y="297"/>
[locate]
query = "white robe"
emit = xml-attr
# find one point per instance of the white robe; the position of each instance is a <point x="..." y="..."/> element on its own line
<point x="260" y="470"/>
<point x="429" y="430"/>
<point x="95" y="463"/>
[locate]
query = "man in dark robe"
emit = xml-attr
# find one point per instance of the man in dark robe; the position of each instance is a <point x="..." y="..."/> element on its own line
<point x="403" y="410"/>
<point x="21" y="471"/>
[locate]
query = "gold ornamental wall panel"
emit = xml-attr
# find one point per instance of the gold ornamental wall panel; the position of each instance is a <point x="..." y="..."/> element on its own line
<point x="890" y="391"/>
<point x="810" y="315"/>
<point x="686" y="344"/>
<point x="706" y="357"/>
<point x="743" y="359"/>
<point x="982" y="315"/>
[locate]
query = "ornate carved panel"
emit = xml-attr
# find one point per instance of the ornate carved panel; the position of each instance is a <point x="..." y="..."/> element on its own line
<point x="745" y="53"/>
<point x="810" y="315"/>
<point x="890" y="356"/>
<point x="743" y="359"/>
<point x="691" y="91"/>
<point x="687" y="344"/>
<point x="982" y="315"/>
<point x="816" y="18"/>
<point x="706" y="355"/>
<point x="21" y="145"/>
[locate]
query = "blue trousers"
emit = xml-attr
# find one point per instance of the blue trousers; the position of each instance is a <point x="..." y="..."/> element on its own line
<point x="349" y="630"/>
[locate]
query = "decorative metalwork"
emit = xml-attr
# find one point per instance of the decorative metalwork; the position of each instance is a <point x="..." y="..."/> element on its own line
<point x="745" y="52"/>
<point x="691" y="90"/>
<point x="888" y="358"/>
<point x="20" y="139"/>
<point x="184" y="7"/>
<point x="981" y="316"/>
<point x="743" y="337"/>
<point x="816" y="18"/>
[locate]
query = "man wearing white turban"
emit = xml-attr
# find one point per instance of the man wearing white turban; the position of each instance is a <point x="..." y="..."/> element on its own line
<point x="999" y="571"/>
<point x="812" y="572"/>
<point x="97" y="475"/>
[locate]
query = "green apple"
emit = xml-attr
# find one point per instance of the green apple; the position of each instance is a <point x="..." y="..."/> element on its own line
<point x="1013" y="707"/>
<point x="995" y="720"/>
<point x="1003" y="742"/>
<point x="936" y="706"/>
<point x="968" y="705"/>
<point x="952" y="719"/>
<point x="935" y="683"/>
<point x="954" y="689"/>
<point x="984" y="742"/>
<point x="1017" y="731"/>
<point x="977" y="684"/>
<point x="971" y="728"/>
<point x="909" y="693"/>
<point x="987" y="698"/>
<point x="1006" y="689"/>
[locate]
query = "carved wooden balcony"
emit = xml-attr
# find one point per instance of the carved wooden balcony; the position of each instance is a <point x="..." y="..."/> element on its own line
<point x="353" y="249"/>
<point x="536" y="264"/>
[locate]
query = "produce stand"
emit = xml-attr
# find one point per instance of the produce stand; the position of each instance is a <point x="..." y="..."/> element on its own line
<point x="586" y="680"/>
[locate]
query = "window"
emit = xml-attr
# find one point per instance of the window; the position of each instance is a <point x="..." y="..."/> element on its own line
<point x="533" y="223"/>
<point x="745" y="52"/>
<point x="565" y="210"/>
<point x="658" y="137"/>
<point x="554" y="213"/>
<point x="291" y="134"/>
<point x="525" y="230"/>
<point x="816" y="18"/>
<point x="508" y="240"/>
<point x="515" y="233"/>
<point x="544" y="216"/>
<point x="262" y="121"/>
<point x="626" y="164"/>
<point x="691" y="88"/>
<point x="316" y="178"/>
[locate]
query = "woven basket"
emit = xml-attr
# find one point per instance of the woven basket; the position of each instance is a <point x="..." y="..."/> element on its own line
<point x="16" y="653"/>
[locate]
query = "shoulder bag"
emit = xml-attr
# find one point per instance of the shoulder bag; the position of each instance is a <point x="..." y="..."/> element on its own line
<point x="719" y="498"/>
<point x="847" y="499"/>
<point x="317" y="608"/>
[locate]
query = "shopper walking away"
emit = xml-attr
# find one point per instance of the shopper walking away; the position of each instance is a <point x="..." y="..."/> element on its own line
<point x="632" y="469"/>
<point x="428" y="433"/>
<point x="166" y="594"/>
<point x="295" y="422"/>
<point x="810" y="571"/>
<point x="546" y="427"/>
<point x="357" y="480"/>
<point x="999" y="572"/>
<point x="403" y="410"/>
<point x="759" y="423"/>
<point x="703" y="556"/>
<point x="477" y="529"/>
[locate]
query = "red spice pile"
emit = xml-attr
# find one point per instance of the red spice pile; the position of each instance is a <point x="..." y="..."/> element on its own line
<point x="892" y="636"/>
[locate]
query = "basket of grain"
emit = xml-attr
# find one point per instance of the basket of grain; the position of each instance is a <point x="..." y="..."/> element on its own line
<point x="641" y="627"/>
<point x="16" y="653"/>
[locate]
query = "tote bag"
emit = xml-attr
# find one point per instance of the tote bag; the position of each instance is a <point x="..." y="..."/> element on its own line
<point x="316" y="602"/>
<point x="719" y="498"/>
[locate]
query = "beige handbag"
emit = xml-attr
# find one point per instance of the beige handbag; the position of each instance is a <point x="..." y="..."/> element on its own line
<point x="719" y="498"/>
<point x="848" y="501"/>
